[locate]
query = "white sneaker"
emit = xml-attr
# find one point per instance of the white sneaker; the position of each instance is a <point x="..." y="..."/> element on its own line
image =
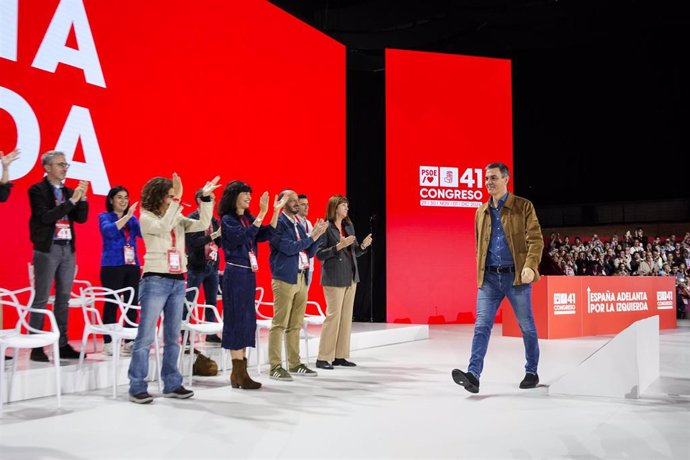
<point x="127" y="349"/>
<point x="108" y="349"/>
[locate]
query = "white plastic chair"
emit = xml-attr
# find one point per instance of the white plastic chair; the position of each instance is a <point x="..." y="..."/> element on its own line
<point x="32" y="338"/>
<point x="263" y="321"/>
<point x="194" y="324"/>
<point x="93" y="324"/>
<point x="311" y="320"/>
<point x="76" y="300"/>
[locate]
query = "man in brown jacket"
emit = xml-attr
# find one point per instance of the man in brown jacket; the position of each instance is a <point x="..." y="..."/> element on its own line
<point x="509" y="248"/>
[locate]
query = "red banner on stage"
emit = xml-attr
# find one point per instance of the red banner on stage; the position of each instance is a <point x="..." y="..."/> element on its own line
<point x="566" y="306"/>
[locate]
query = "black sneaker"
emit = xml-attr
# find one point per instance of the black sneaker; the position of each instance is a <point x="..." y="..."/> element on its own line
<point x="141" y="398"/>
<point x="67" y="352"/>
<point x="323" y="364"/>
<point x="213" y="338"/>
<point x="180" y="393"/>
<point x="530" y="381"/>
<point x="343" y="362"/>
<point x="467" y="380"/>
<point x="39" y="355"/>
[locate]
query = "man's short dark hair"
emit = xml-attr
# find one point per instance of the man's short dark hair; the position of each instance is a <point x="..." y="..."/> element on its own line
<point x="501" y="166"/>
<point x="301" y="196"/>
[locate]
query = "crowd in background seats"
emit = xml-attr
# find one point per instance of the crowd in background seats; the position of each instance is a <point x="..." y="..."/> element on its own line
<point x="634" y="254"/>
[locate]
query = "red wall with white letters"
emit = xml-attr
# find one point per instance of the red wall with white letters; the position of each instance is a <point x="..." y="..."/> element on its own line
<point x="239" y="89"/>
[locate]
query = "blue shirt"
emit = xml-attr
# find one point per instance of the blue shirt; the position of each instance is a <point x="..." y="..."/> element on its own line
<point x="113" y="254"/>
<point x="499" y="251"/>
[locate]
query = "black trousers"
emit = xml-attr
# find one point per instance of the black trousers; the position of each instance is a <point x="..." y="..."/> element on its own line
<point x="117" y="278"/>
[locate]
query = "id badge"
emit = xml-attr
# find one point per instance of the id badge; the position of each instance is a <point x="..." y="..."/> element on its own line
<point x="303" y="260"/>
<point x="129" y="255"/>
<point x="211" y="251"/>
<point x="174" y="261"/>
<point x="62" y="231"/>
<point x="253" y="262"/>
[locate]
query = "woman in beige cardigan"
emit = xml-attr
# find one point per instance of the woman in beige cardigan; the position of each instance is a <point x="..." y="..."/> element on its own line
<point x="162" y="286"/>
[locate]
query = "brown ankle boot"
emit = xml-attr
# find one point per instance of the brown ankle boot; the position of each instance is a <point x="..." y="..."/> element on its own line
<point x="246" y="382"/>
<point x="236" y="374"/>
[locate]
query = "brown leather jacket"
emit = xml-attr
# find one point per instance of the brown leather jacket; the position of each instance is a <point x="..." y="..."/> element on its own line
<point x="523" y="233"/>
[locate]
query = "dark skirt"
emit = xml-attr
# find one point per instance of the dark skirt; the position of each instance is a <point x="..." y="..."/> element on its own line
<point x="239" y="311"/>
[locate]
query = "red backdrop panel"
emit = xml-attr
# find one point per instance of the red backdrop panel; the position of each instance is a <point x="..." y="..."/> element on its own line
<point x="239" y="89"/>
<point x="447" y="117"/>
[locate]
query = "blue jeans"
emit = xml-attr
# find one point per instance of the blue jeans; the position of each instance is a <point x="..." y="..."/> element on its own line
<point x="156" y="295"/>
<point x="496" y="287"/>
<point x="208" y="276"/>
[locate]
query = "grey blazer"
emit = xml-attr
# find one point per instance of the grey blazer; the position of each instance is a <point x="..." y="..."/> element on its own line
<point x="338" y="268"/>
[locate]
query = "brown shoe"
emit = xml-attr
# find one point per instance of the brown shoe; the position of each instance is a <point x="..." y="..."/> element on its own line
<point x="205" y="366"/>
<point x="239" y="378"/>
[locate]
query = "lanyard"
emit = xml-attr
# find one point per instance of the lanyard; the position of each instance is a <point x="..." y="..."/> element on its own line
<point x="245" y="223"/>
<point x="297" y="230"/>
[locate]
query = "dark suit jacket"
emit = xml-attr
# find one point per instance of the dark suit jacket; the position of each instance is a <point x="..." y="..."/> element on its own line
<point x="45" y="212"/>
<point x="195" y="242"/>
<point x="5" y="191"/>
<point x="335" y="269"/>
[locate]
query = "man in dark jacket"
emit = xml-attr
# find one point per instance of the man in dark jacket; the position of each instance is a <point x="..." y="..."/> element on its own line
<point x="203" y="250"/>
<point x="54" y="209"/>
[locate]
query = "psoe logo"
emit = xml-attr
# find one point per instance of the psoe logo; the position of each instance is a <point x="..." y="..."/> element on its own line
<point x="664" y="300"/>
<point x="664" y="295"/>
<point x="428" y="176"/>
<point x="448" y="177"/>
<point x="564" y="303"/>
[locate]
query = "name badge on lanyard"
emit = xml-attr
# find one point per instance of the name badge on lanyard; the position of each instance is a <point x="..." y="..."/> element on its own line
<point x="174" y="258"/>
<point x="211" y="251"/>
<point x="62" y="230"/>
<point x="303" y="258"/>
<point x="129" y="254"/>
<point x="253" y="262"/>
<point x="210" y="248"/>
<point x="130" y="259"/>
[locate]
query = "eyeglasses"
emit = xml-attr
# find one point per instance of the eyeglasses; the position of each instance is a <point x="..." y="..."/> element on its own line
<point x="62" y="165"/>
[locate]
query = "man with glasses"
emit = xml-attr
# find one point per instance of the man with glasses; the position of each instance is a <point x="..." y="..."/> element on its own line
<point x="54" y="209"/>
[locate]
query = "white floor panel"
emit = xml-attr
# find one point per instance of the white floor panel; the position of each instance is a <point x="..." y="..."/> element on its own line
<point x="400" y="402"/>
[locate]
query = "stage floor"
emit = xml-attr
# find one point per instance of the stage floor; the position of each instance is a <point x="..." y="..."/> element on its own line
<point x="400" y="402"/>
